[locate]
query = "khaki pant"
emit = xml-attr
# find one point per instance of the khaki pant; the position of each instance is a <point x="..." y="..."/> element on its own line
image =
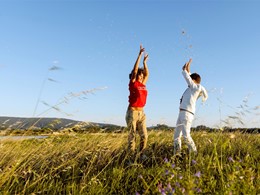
<point x="183" y="126"/>
<point x="136" y="121"/>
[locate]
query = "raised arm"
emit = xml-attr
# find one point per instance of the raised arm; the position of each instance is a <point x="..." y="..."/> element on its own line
<point x="137" y="62"/>
<point x="146" y="71"/>
<point x="186" y="74"/>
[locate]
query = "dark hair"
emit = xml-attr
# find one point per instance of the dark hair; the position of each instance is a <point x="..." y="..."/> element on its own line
<point x="196" y="77"/>
<point x="140" y="70"/>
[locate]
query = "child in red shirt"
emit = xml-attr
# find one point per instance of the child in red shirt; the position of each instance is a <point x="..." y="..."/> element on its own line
<point x="135" y="116"/>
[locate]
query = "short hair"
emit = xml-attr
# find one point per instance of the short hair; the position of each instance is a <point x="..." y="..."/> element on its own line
<point x="196" y="77"/>
<point x="140" y="70"/>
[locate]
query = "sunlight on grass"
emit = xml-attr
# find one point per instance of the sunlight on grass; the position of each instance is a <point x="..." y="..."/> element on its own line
<point x="227" y="163"/>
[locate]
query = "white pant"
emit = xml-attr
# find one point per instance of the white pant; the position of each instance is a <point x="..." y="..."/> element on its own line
<point x="183" y="126"/>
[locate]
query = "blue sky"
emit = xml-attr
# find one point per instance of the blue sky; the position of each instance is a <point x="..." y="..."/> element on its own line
<point x="94" y="44"/>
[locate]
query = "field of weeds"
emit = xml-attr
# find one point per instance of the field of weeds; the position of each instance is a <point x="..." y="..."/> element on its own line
<point x="226" y="163"/>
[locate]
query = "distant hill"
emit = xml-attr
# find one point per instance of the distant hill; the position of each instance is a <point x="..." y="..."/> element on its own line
<point x="52" y="123"/>
<point x="57" y="124"/>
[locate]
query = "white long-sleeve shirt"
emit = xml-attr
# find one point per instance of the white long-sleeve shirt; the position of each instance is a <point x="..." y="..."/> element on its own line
<point x="191" y="94"/>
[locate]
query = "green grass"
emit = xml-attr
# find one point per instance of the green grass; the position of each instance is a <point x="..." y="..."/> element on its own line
<point x="227" y="163"/>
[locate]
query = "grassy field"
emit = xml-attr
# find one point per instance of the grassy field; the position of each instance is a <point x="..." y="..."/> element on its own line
<point x="227" y="163"/>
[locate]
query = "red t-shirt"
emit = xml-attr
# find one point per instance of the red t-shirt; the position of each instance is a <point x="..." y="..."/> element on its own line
<point x="138" y="94"/>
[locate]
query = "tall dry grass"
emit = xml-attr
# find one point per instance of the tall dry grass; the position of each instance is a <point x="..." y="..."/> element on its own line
<point x="99" y="164"/>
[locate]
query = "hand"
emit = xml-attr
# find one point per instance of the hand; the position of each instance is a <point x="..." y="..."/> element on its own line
<point x="141" y="49"/>
<point x="189" y="62"/>
<point x="186" y="66"/>
<point x="145" y="57"/>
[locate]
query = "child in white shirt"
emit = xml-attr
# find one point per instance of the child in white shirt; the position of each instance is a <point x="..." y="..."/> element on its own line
<point x="187" y="108"/>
